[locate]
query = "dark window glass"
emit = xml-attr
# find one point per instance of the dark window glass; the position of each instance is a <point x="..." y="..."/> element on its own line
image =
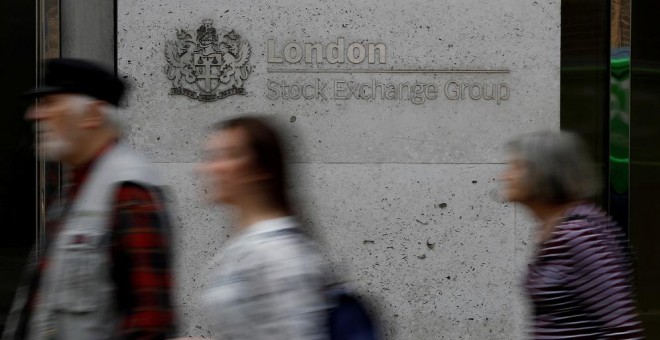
<point x="17" y="160"/>
<point x="645" y="159"/>
<point x="584" y="76"/>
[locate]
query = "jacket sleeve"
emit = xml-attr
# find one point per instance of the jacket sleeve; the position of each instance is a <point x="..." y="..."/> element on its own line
<point x="601" y="278"/>
<point x="141" y="264"/>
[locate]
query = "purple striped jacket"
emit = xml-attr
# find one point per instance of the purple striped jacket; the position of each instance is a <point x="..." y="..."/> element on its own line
<point x="580" y="281"/>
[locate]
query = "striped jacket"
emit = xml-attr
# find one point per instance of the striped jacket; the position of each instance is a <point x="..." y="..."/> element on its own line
<point x="580" y="281"/>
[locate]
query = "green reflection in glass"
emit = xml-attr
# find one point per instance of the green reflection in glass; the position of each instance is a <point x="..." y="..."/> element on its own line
<point x="619" y="120"/>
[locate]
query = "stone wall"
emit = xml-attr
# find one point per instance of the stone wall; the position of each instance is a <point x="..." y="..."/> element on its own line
<point x="395" y="157"/>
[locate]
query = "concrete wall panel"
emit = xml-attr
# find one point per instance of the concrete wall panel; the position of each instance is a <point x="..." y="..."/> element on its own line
<point x="398" y="194"/>
<point x="427" y="242"/>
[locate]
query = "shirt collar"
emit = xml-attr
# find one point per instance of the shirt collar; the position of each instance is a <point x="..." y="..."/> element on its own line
<point x="270" y="225"/>
<point x="79" y="173"/>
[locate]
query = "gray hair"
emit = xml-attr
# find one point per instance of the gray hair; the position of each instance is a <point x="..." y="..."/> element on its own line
<point x="559" y="168"/>
<point x="110" y="112"/>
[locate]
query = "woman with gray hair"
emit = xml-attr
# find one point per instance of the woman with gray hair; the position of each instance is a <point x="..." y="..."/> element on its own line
<point x="580" y="279"/>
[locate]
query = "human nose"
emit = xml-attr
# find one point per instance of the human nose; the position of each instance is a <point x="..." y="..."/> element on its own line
<point x="505" y="175"/>
<point x="34" y="113"/>
<point x="210" y="166"/>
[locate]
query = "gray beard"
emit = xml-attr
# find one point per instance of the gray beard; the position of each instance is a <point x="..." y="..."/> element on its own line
<point x="56" y="149"/>
<point x="53" y="148"/>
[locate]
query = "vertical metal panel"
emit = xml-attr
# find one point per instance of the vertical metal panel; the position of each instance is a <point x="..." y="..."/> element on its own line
<point x="48" y="47"/>
<point x="88" y="30"/>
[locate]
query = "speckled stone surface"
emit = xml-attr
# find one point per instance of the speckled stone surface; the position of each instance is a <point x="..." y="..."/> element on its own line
<point x="428" y="240"/>
<point x="398" y="194"/>
<point x="428" y="243"/>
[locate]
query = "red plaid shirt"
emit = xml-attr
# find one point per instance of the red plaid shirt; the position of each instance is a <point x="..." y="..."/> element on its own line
<point x="141" y="264"/>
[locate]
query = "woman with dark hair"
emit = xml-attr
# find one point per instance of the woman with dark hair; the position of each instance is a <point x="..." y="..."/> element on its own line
<point x="267" y="282"/>
<point x="580" y="279"/>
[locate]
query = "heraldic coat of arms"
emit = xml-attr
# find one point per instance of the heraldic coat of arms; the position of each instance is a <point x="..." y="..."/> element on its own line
<point x="207" y="65"/>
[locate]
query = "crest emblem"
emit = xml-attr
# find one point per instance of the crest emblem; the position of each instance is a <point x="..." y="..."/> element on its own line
<point x="206" y="65"/>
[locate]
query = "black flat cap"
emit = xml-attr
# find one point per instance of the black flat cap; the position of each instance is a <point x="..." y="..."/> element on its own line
<point x="79" y="76"/>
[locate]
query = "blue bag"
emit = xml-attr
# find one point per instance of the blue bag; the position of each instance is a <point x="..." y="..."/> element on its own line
<point x="348" y="318"/>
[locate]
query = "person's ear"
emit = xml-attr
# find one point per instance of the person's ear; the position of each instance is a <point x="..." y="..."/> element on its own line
<point x="94" y="115"/>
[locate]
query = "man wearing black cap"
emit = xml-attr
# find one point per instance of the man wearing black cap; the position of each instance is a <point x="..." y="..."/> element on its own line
<point x="105" y="270"/>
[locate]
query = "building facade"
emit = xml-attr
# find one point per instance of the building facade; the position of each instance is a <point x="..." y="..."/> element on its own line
<point x="395" y="115"/>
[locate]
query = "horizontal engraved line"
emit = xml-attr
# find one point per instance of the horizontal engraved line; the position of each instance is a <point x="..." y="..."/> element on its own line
<point x="298" y="70"/>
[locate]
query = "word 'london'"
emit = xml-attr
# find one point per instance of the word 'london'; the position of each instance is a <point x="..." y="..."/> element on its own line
<point x="332" y="53"/>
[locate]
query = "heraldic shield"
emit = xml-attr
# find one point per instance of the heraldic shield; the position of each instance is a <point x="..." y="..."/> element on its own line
<point x="206" y="65"/>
